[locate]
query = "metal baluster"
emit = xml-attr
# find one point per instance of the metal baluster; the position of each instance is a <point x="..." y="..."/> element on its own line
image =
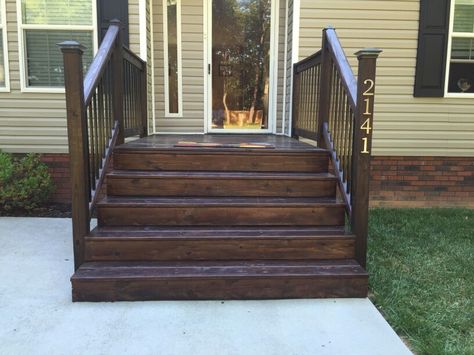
<point x="91" y="145"/>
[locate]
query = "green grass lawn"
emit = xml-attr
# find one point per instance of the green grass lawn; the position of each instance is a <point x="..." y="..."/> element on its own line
<point x="421" y="267"/>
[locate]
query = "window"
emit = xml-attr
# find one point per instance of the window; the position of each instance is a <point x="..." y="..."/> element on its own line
<point x="43" y="24"/>
<point x="4" y="82"/>
<point x="461" y="60"/>
<point x="172" y="60"/>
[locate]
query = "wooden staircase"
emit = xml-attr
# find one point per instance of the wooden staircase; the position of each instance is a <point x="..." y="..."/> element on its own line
<point x="197" y="223"/>
<point x="219" y="223"/>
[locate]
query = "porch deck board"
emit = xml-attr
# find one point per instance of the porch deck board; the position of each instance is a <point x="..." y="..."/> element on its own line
<point x="168" y="141"/>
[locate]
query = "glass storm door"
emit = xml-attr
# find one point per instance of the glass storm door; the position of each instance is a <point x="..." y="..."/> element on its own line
<point x="240" y="64"/>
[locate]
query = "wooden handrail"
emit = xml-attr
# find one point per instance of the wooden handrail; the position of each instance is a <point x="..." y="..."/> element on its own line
<point x="340" y="60"/>
<point x="333" y="107"/>
<point x="134" y="59"/>
<point x="308" y="62"/>
<point x="98" y="65"/>
<point x="97" y="119"/>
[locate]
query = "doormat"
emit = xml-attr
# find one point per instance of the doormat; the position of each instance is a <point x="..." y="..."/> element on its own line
<point x="224" y="145"/>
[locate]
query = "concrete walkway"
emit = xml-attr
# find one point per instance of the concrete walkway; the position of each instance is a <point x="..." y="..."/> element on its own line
<point x="38" y="317"/>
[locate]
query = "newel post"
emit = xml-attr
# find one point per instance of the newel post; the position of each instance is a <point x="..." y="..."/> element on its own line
<point x="324" y="87"/>
<point x="362" y="148"/>
<point x="118" y="83"/>
<point x="78" y="145"/>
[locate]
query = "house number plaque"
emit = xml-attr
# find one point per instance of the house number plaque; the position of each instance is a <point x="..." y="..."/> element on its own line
<point x="366" y="127"/>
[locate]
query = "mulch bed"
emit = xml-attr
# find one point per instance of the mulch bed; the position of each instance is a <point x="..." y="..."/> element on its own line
<point x="52" y="210"/>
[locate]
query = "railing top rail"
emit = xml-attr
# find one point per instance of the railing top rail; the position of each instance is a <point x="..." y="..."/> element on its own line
<point x="347" y="75"/>
<point x="132" y="58"/>
<point x="99" y="63"/>
<point x="308" y="62"/>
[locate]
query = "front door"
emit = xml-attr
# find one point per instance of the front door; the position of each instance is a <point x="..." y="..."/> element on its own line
<point x="240" y="67"/>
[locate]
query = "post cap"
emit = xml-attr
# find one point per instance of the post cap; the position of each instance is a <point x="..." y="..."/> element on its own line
<point x="329" y="27"/>
<point x="115" y="21"/>
<point x="368" y="52"/>
<point x="71" y="46"/>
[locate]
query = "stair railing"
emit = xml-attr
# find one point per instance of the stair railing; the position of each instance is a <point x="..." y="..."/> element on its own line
<point x="103" y="107"/>
<point x="335" y="109"/>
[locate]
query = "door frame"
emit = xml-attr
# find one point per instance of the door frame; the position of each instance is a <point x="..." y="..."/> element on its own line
<point x="273" y="80"/>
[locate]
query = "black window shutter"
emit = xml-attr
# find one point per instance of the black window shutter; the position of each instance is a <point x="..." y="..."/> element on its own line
<point x="432" y="48"/>
<point x="109" y="10"/>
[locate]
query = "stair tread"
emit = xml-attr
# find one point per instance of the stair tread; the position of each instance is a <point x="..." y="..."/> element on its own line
<point x="168" y="141"/>
<point x="220" y="174"/>
<point x="129" y="270"/>
<point x="219" y="201"/>
<point x="216" y="233"/>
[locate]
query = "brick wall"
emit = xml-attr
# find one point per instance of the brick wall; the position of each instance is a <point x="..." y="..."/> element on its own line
<point x="59" y="168"/>
<point x="422" y="181"/>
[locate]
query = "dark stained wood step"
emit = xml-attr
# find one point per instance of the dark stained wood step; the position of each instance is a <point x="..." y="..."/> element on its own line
<point x="264" y="160"/>
<point x="249" y="211"/>
<point x="279" y="143"/>
<point x="219" y="244"/>
<point x="201" y="280"/>
<point x="209" y="184"/>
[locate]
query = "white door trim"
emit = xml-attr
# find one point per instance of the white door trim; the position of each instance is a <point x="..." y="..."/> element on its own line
<point x="273" y="82"/>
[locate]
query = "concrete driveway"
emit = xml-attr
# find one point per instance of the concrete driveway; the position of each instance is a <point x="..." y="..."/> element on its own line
<point x="38" y="317"/>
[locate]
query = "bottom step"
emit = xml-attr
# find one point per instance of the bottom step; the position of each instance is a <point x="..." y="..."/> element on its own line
<point x="206" y="280"/>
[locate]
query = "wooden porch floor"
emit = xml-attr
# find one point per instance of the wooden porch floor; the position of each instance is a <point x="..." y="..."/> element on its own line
<point x="168" y="141"/>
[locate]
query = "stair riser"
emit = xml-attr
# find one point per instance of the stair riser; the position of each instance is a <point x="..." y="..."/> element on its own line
<point x="219" y="289"/>
<point x="127" y="186"/>
<point x="221" y="216"/>
<point x="244" y="162"/>
<point x="103" y="249"/>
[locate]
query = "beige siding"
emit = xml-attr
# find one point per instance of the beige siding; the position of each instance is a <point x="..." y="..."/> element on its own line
<point x="29" y="122"/>
<point x="134" y="25"/>
<point x="36" y="122"/>
<point x="192" y="17"/>
<point x="403" y="125"/>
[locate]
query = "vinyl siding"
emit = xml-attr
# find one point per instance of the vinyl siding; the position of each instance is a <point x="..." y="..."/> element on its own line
<point x="36" y="122"/>
<point x="29" y="122"/>
<point x="134" y="25"/>
<point x="192" y="25"/>
<point x="404" y="125"/>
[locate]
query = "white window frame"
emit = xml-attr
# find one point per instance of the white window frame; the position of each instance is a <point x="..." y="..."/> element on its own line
<point x="168" y="114"/>
<point x="22" y="49"/>
<point x="3" y="28"/>
<point x="448" y="56"/>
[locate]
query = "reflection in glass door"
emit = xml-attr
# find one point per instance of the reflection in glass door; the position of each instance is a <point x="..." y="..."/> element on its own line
<point x="240" y="64"/>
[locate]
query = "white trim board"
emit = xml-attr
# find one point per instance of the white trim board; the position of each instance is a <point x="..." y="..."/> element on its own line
<point x="295" y="47"/>
<point x="285" y="70"/>
<point x="168" y="114"/>
<point x="273" y="83"/>
<point x="6" y="64"/>
<point x="142" y="29"/>
<point x="152" y="59"/>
